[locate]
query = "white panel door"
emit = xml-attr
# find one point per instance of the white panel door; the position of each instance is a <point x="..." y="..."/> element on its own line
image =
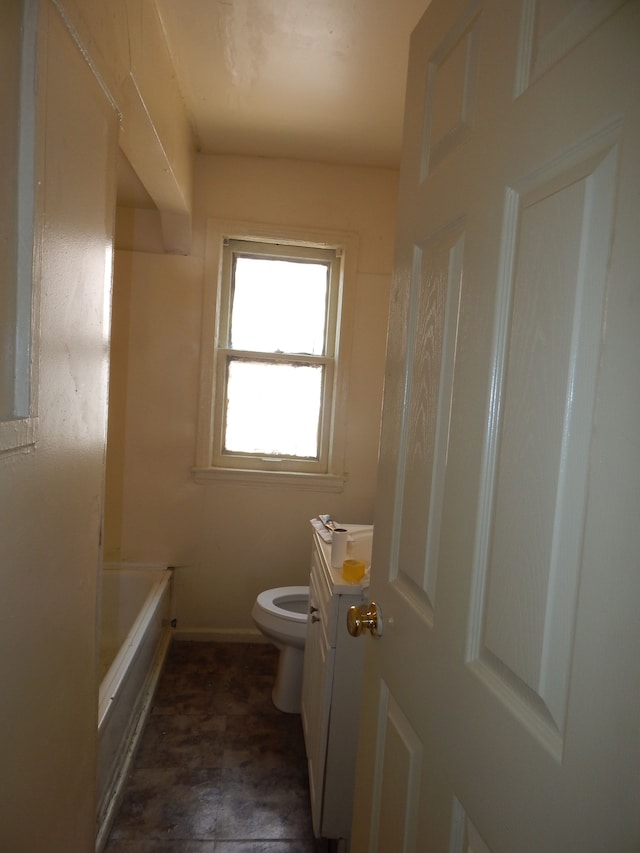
<point x="501" y="705"/>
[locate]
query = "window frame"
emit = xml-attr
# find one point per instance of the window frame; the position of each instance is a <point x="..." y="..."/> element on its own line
<point x="19" y="392"/>
<point x="211" y="462"/>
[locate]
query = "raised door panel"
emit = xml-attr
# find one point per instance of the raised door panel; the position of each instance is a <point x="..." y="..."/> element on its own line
<point x="396" y="783"/>
<point x="450" y="94"/>
<point x="551" y="29"/>
<point x="431" y="331"/>
<point x="550" y="314"/>
<point x="465" y="838"/>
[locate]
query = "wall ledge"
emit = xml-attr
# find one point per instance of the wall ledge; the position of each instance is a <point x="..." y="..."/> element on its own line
<point x="249" y="477"/>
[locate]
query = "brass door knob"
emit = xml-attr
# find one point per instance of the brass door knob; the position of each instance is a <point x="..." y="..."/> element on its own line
<point x="366" y="617"/>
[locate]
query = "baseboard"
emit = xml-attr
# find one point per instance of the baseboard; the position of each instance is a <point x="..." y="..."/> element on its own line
<point x="219" y="635"/>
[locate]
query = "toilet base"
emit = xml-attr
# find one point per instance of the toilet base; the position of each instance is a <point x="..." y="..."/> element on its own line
<point x="287" y="689"/>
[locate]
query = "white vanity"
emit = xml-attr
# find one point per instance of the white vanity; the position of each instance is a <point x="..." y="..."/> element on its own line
<point x="331" y="687"/>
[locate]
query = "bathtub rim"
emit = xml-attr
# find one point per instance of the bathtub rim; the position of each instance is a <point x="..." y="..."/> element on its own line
<point x="109" y="685"/>
<point x="110" y="788"/>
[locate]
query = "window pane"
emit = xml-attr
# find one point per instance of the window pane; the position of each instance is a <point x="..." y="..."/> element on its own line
<point x="273" y="409"/>
<point x="279" y="306"/>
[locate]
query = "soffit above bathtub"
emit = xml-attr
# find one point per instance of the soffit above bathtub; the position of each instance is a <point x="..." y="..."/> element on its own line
<point x="305" y="79"/>
<point x="131" y="191"/>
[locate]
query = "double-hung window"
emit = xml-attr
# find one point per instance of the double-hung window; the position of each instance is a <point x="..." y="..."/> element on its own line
<point x="273" y="398"/>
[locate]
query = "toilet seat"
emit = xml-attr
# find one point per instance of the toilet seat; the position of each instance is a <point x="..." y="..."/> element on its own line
<point x="275" y="601"/>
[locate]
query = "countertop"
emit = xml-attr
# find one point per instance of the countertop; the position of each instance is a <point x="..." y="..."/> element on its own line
<point x="358" y="548"/>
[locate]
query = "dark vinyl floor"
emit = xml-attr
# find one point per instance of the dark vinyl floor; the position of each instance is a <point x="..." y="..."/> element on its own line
<point x="219" y="769"/>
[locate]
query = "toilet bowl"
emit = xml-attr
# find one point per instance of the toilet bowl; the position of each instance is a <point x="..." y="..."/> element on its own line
<point x="281" y="615"/>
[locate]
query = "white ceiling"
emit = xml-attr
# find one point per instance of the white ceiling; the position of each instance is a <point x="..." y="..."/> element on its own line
<point x="309" y="79"/>
<point x="315" y="80"/>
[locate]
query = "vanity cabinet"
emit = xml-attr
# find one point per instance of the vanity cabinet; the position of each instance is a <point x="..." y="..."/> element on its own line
<point x="331" y="691"/>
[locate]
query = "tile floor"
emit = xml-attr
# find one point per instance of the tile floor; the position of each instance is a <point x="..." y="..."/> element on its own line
<point x="219" y="769"/>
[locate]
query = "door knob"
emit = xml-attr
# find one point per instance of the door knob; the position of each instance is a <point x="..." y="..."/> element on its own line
<point x="366" y="617"/>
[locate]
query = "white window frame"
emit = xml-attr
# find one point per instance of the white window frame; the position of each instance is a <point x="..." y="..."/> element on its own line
<point x="327" y="473"/>
<point x="18" y="419"/>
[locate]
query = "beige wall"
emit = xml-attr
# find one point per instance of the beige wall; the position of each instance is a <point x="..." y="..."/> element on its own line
<point x="229" y="540"/>
<point x="51" y="494"/>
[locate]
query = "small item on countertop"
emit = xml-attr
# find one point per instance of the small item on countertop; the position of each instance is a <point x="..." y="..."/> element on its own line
<point x="323" y="532"/>
<point x="353" y="570"/>
<point x="339" y="546"/>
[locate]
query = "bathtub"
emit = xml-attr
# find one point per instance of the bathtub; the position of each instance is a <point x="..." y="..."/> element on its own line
<point x="135" y="634"/>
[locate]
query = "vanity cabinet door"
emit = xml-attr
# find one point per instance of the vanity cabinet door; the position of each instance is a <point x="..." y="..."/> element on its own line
<point x="342" y="731"/>
<point x="331" y="690"/>
<point x="317" y="687"/>
<point x="325" y="602"/>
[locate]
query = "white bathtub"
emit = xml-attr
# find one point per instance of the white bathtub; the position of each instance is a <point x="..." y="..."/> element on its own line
<point x="135" y="634"/>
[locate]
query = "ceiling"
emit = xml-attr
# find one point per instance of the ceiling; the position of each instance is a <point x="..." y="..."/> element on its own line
<point x="318" y="80"/>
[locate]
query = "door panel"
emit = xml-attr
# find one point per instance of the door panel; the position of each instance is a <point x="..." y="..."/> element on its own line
<point x="501" y="701"/>
<point x="550" y="311"/>
<point x="431" y="338"/>
<point x="465" y="838"/>
<point x="450" y="93"/>
<point x="551" y="29"/>
<point x="397" y="828"/>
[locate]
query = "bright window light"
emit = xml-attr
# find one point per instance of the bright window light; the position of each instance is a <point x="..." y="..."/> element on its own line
<point x="273" y="409"/>
<point x="279" y="306"/>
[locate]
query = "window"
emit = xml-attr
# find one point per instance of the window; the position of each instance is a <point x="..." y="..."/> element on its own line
<point x="274" y="367"/>
<point x="18" y="42"/>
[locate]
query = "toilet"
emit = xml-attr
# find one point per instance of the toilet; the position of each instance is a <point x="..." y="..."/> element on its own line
<point x="281" y="614"/>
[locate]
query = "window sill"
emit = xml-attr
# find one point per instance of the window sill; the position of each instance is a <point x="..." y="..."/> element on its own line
<point x="19" y="434"/>
<point x="314" y="482"/>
